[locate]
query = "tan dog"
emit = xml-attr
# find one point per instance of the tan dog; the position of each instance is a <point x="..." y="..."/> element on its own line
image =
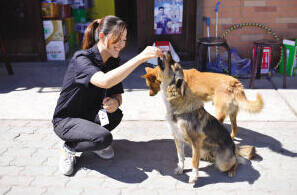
<point x="226" y="92"/>
<point x="190" y="123"/>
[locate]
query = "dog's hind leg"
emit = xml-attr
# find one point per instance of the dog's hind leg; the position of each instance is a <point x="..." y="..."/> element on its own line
<point x="181" y="156"/>
<point x="226" y="162"/>
<point x="220" y="106"/>
<point x="232" y="117"/>
<point x="220" y="116"/>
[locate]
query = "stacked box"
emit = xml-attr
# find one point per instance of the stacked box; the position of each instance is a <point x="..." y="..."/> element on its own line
<point x="70" y="34"/>
<point x="79" y="15"/>
<point x="57" y="50"/>
<point x="53" y="30"/>
<point x="79" y="10"/>
<point x="69" y="25"/>
<point x="65" y="24"/>
<point x="56" y="46"/>
<point x="76" y="4"/>
<point x="65" y="2"/>
<point x="72" y="42"/>
<point x="51" y="10"/>
<point x="291" y="57"/>
<point x="66" y="10"/>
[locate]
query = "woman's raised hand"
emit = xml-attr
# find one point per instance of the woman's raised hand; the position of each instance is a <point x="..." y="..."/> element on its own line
<point x="150" y="52"/>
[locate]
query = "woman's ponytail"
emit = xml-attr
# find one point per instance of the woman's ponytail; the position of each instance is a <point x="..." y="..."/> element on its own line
<point x="91" y="35"/>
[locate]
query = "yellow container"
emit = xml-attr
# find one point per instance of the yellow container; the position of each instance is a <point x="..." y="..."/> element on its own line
<point x="101" y="8"/>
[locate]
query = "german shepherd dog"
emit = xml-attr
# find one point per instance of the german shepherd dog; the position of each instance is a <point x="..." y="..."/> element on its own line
<point x="226" y="92"/>
<point x="191" y="123"/>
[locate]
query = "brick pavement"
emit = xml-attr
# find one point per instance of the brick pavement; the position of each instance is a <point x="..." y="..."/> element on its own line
<point x="144" y="162"/>
<point x="145" y="152"/>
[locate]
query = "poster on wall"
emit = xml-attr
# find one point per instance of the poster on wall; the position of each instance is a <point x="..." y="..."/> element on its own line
<point x="168" y="16"/>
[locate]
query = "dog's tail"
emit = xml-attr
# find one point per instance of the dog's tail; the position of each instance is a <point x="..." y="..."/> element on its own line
<point x="244" y="153"/>
<point x="245" y="104"/>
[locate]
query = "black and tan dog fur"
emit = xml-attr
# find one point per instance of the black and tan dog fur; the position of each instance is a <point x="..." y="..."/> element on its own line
<point x="191" y="123"/>
<point x="224" y="91"/>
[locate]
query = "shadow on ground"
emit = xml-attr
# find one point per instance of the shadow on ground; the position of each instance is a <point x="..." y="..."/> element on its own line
<point x="134" y="159"/>
<point x="50" y="74"/>
<point x="35" y="74"/>
<point x="259" y="140"/>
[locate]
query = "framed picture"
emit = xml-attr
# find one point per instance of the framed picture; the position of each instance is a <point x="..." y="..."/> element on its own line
<point x="168" y="16"/>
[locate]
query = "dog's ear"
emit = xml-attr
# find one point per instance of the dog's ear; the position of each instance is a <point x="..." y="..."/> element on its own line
<point x="161" y="63"/>
<point x="148" y="69"/>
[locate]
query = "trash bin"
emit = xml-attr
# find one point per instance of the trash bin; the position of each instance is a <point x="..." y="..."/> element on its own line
<point x="291" y="52"/>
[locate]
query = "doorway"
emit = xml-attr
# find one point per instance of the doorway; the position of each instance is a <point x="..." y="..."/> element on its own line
<point x="21" y="30"/>
<point x="127" y="11"/>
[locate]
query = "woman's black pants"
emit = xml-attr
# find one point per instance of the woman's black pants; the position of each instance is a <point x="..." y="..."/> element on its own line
<point x="82" y="135"/>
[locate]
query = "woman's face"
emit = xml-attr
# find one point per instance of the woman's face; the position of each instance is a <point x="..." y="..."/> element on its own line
<point x="115" y="48"/>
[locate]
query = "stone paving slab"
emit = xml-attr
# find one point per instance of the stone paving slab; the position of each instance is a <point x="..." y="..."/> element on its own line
<point x="138" y="105"/>
<point x="32" y="93"/>
<point x="144" y="162"/>
<point x="290" y="96"/>
<point x="31" y="104"/>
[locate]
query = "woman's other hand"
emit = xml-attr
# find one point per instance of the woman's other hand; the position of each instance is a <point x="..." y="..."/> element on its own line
<point x="110" y="104"/>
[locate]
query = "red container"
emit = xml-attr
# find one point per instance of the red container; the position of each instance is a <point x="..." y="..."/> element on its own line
<point x="266" y="60"/>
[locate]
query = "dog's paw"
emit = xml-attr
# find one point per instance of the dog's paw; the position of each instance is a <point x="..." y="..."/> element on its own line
<point x="193" y="177"/>
<point x="232" y="173"/>
<point x="178" y="170"/>
<point x="232" y="135"/>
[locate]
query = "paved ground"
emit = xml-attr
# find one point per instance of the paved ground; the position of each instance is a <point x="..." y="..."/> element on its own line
<point x="145" y="152"/>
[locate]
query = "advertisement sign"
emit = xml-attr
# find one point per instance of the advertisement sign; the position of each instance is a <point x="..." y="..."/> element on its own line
<point x="168" y="16"/>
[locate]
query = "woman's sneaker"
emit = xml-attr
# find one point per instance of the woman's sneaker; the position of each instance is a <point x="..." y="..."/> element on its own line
<point x="106" y="153"/>
<point x="67" y="161"/>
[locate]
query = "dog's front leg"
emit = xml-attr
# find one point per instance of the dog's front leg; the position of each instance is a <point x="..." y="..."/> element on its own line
<point x="181" y="156"/>
<point x="179" y="143"/>
<point x="195" y="161"/>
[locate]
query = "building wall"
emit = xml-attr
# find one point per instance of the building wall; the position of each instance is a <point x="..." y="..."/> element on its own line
<point x="279" y="15"/>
